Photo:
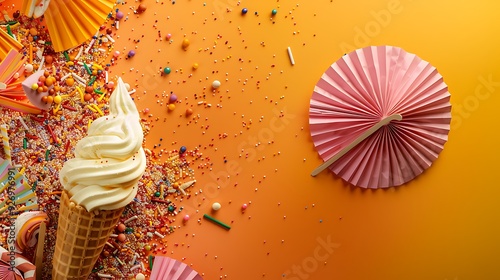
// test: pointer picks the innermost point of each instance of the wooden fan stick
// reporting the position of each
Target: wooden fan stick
(366, 134)
(39, 250)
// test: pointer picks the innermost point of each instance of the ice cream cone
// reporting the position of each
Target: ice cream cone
(81, 236)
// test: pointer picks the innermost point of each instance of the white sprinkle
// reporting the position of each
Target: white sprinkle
(65, 77)
(159, 235)
(135, 267)
(290, 55)
(78, 78)
(120, 261)
(113, 235)
(104, 276)
(132, 91)
(187, 184)
(106, 76)
(110, 38)
(130, 219)
(133, 260)
(90, 46)
(79, 53)
(117, 25)
(23, 123)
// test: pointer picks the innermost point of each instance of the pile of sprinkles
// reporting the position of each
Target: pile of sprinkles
(78, 83)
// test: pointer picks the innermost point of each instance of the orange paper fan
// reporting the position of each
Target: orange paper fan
(72, 22)
(7, 43)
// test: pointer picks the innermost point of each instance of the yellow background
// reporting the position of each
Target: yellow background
(442, 225)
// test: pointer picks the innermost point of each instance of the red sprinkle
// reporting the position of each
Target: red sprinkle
(69, 107)
(52, 133)
(158, 200)
(30, 136)
(36, 119)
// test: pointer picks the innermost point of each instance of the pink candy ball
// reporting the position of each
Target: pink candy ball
(119, 15)
(244, 206)
(186, 218)
(111, 85)
(172, 98)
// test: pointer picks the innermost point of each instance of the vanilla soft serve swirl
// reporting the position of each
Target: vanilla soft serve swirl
(110, 160)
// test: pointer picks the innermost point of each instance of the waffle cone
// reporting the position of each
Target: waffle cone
(81, 236)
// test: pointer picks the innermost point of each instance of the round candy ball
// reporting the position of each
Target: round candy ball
(140, 276)
(274, 12)
(172, 98)
(216, 84)
(182, 150)
(167, 70)
(186, 218)
(185, 43)
(141, 8)
(131, 53)
(244, 11)
(28, 68)
(49, 59)
(121, 237)
(121, 227)
(216, 206)
(119, 15)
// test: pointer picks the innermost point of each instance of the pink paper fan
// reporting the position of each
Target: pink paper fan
(34, 96)
(371, 85)
(7, 273)
(15, 269)
(165, 268)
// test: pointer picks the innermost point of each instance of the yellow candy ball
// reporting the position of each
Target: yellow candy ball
(34, 86)
(171, 107)
(57, 99)
(185, 43)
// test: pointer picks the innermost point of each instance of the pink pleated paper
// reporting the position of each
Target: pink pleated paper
(165, 268)
(362, 88)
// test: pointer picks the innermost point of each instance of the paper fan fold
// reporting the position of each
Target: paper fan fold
(165, 268)
(72, 22)
(361, 89)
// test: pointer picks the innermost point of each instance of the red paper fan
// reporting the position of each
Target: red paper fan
(379, 117)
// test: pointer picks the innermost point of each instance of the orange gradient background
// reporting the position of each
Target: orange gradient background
(445, 224)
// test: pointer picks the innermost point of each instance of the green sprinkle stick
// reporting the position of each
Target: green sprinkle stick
(217, 222)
